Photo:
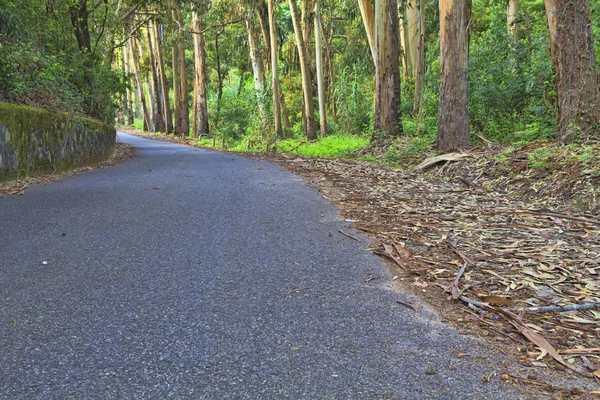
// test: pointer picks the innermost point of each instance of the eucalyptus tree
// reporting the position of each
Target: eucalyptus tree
(453, 114)
(302, 42)
(574, 63)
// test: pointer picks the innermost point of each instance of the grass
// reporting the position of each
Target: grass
(335, 146)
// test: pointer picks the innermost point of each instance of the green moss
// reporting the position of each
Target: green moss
(37, 141)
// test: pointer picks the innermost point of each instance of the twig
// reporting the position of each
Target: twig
(297, 290)
(570, 307)
(453, 287)
(558, 215)
(347, 234)
(415, 309)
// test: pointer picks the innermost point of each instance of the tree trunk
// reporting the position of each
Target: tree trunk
(162, 75)
(79, 20)
(420, 73)
(140, 84)
(128, 95)
(275, 72)
(258, 67)
(307, 9)
(220, 77)
(309, 113)
(409, 36)
(368, 18)
(263, 19)
(453, 115)
(200, 121)
(573, 59)
(387, 74)
(320, 77)
(158, 101)
(180, 83)
(512, 13)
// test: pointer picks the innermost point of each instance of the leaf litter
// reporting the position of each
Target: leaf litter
(510, 248)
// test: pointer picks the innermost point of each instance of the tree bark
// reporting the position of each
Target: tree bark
(307, 9)
(158, 110)
(368, 18)
(409, 37)
(140, 84)
(258, 67)
(574, 63)
(321, 88)
(79, 20)
(128, 95)
(263, 19)
(453, 115)
(162, 75)
(512, 13)
(200, 121)
(180, 83)
(309, 113)
(420, 72)
(387, 74)
(275, 72)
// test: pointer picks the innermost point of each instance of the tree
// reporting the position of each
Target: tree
(512, 15)
(180, 83)
(573, 60)
(387, 75)
(309, 114)
(420, 73)
(258, 67)
(275, 72)
(453, 114)
(320, 77)
(409, 36)
(200, 107)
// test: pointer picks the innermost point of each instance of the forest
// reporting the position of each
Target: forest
(404, 75)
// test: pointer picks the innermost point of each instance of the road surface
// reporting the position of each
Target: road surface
(186, 273)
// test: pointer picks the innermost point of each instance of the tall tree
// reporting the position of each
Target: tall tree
(573, 60)
(321, 88)
(200, 107)
(387, 73)
(453, 114)
(512, 15)
(277, 95)
(420, 73)
(133, 50)
(409, 36)
(309, 113)
(368, 18)
(157, 41)
(181, 107)
(158, 95)
(258, 67)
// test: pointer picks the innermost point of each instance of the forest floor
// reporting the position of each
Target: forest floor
(487, 238)
(122, 153)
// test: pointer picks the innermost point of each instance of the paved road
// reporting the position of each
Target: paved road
(193, 274)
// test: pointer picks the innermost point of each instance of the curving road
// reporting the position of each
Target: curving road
(185, 273)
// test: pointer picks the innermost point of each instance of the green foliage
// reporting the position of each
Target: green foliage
(42, 65)
(343, 146)
(510, 81)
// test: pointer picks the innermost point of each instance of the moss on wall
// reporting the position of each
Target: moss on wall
(34, 141)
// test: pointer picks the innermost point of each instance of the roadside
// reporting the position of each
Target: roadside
(123, 152)
(485, 247)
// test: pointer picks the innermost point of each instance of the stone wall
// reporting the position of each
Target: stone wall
(35, 141)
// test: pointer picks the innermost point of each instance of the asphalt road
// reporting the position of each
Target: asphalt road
(185, 273)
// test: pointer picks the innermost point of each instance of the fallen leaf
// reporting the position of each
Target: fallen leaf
(500, 300)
